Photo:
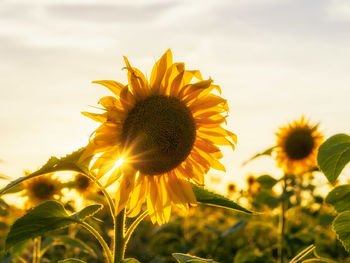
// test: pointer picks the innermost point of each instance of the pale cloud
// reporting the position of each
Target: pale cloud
(339, 10)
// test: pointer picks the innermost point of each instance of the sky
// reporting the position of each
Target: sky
(275, 60)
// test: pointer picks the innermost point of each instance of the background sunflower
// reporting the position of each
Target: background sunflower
(297, 145)
(40, 189)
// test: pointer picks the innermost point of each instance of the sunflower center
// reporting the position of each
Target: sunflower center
(82, 182)
(43, 190)
(160, 132)
(299, 144)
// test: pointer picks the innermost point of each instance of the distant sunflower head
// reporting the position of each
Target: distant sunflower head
(231, 188)
(297, 145)
(40, 189)
(82, 184)
(253, 185)
(166, 131)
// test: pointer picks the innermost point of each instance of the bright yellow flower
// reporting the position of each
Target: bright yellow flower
(297, 145)
(165, 131)
(40, 189)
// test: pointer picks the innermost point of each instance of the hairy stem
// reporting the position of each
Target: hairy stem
(119, 237)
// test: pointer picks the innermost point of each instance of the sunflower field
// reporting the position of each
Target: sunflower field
(137, 191)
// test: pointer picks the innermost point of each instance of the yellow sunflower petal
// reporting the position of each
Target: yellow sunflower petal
(112, 85)
(159, 70)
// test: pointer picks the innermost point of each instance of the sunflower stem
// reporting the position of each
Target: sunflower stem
(36, 252)
(119, 237)
(282, 221)
(100, 239)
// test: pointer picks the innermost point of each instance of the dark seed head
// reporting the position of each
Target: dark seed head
(43, 190)
(299, 144)
(160, 131)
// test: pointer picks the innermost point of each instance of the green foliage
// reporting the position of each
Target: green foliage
(303, 254)
(339, 197)
(48, 216)
(333, 155)
(267, 152)
(266, 181)
(71, 260)
(249, 254)
(130, 260)
(183, 258)
(209, 198)
(73, 242)
(341, 225)
(54, 164)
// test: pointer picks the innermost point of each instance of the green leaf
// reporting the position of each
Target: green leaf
(341, 226)
(339, 197)
(266, 198)
(302, 254)
(209, 198)
(88, 211)
(267, 152)
(71, 260)
(67, 163)
(130, 260)
(333, 155)
(236, 227)
(266, 181)
(183, 258)
(45, 217)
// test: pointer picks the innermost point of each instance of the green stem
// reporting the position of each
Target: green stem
(36, 254)
(133, 226)
(100, 239)
(119, 238)
(282, 221)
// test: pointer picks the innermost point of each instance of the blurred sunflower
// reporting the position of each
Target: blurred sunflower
(297, 145)
(165, 131)
(82, 184)
(231, 188)
(40, 189)
(253, 185)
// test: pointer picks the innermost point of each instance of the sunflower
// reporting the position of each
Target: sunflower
(83, 185)
(164, 131)
(297, 145)
(41, 189)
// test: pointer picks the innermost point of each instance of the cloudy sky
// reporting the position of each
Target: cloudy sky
(274, 59)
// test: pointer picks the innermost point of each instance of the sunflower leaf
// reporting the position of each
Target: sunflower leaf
(266, 181)
(54, 164)
(45, 217)
(302, 254)
(339, 197)
(183, 258)
(209, 198)
(267, 152)
(333, 155)
(341, 226)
